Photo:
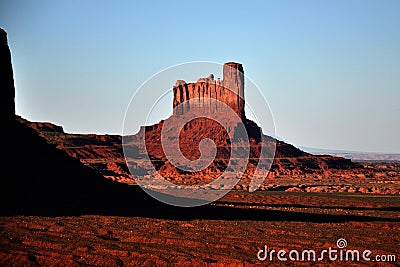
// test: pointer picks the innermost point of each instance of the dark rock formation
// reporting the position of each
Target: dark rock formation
(7, 91)
(46, 180)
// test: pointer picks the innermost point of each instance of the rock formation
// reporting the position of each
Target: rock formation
(7, 90)
(229, 91)
(54, 181)
(288, 159)
(39, 179)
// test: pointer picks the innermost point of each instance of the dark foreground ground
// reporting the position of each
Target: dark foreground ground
(227, 233)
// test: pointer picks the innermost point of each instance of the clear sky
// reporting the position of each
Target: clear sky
(330, 70)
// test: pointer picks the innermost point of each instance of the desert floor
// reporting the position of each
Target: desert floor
(230, 234)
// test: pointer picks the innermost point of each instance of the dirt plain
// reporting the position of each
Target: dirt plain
(230, 233)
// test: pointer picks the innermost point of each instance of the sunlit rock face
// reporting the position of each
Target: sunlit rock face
(229, 91)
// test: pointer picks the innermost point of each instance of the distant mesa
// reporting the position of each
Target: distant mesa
(206, 96)
(230, 90)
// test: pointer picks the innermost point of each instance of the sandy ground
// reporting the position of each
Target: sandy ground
(280, 220)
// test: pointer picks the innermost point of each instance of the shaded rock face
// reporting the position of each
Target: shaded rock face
(229, 91)
(47, 181)
(7, 90)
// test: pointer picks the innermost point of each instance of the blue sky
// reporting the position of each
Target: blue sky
(330, 70)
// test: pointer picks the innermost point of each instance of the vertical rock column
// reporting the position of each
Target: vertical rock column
(234, 81)
(7, 89)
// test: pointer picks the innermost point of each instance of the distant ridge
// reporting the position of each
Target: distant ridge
(354, 155)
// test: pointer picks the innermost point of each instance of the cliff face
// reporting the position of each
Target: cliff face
(39, 179)
(229, 91)
(7, 90)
